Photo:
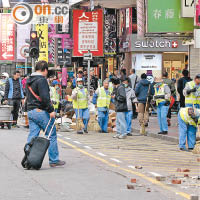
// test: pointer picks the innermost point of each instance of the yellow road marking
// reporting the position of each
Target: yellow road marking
(185, 195)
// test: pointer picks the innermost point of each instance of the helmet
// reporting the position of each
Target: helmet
(55, 83)
(5, 74)
(79, 79)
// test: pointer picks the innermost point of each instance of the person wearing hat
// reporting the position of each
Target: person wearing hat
(188, 120)
(192, 93)
(162, 98)
(102, 98)
(55, 94)
(80, 103)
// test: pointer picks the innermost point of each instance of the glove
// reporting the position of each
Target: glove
(159, 97)
(191, 90)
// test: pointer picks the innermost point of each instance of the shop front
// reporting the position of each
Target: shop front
(157, 55)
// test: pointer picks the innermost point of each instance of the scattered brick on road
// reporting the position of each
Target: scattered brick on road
(148, 190)
(130, 187)
(186, 175)
(176, 181)
(186, 170)
(133, 180)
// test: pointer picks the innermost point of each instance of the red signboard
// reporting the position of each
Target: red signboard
(7, 37)
(88, 32)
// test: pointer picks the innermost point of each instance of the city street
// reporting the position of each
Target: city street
(98, 168)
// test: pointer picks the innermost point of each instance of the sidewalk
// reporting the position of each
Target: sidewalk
(153, 129)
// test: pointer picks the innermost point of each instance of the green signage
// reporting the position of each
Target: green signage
(165, 16)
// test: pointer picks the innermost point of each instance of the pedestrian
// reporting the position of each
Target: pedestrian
(40, 110)
(172, 87)
(130, 96)
(123, 74)
(144, 91)
(162, 98)
(55, 94)
(80, 103)
(181, 85)
(93, 81)
(188, 120)
(14, 95)
(102, 98)
(120, 108)
(192, 93)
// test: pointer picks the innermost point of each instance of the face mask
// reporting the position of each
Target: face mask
(80, 86)
(57, 88)
(125, 85)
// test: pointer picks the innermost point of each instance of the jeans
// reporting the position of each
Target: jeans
(121, 123)
(128, 117)
(191, 105)
(16, 105)
(38, 119)
(103, 120)
(84, 115)
(186, 131)
(162, 112)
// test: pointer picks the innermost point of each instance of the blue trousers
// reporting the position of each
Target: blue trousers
(103, 120)
(162, 112)
(186, 131)
(128, 117)
(84, 115)
(37, 121)
(191, 105)
(121, 123)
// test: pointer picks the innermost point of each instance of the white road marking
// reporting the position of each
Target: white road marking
(101, 154)
(114, 159)
(87, 147)
(59, 135)
(77, 142)
(155, 174)
(67, 138)
(132, 167)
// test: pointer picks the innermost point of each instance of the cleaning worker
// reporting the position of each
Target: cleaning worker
(55, 94)
(80, 104)
(192, 93)
(162, 98)
(102, 98)
(188, 120)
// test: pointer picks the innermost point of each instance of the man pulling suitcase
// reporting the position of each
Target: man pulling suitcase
(40, 111)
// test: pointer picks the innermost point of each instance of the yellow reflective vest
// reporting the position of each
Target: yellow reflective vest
(186, 118)
(191, 98)
(81, 102)
(160, 91)
(103, 98)
(55, 97)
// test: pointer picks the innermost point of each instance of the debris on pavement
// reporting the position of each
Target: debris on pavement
(194, 197)
(130, 187)
(138, 167)
(160, 178)
(148, 190)
(176, 181)
(133, 180)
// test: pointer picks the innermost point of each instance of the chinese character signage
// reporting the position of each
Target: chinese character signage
(88, 32)
(187, 7)
(42, 33)
(51, 43)
(164, 16)
(7, 38)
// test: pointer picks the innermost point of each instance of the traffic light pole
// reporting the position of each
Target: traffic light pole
(33, 65)
(26, 65)
(89, 76)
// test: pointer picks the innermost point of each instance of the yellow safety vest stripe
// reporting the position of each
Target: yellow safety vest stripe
(103, 98)
(186, 118)
(161, 91)
(191, 98)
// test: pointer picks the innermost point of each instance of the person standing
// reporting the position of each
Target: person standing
(192, 93)
(144, 91)
(41, 111)
(130, 96)
(55, 94)
(102, 98)
(181, 85)
(80, 104)
(162, 98)
(120, 108)
(14, 94)
(188, 120)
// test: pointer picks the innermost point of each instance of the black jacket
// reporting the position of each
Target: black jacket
(181, 84)
(40, 86)
(120, 99)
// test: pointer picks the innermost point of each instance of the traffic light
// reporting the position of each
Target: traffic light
(34, 45)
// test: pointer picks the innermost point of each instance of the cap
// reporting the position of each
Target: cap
(5, 74)
(79, 79)
(55, 83)
(197, 76)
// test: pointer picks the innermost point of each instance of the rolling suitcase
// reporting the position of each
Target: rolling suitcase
(35, 150)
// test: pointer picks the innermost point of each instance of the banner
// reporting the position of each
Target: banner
(164, 16)
(7, 38)
(21, 44)
(51, 43)
(88, 32)
(42, 32)
(110, 65)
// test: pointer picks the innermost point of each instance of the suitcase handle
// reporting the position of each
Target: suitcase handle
(50, 129)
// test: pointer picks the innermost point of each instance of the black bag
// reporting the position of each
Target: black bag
(35, 151)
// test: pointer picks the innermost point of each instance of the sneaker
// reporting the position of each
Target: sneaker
(85, 131)
(129, 134)
(116, 136)
(80, 132)
(59, 163)
(165, 132)
(122, 136)
(182, 149)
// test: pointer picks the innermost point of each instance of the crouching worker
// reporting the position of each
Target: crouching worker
(102, 98)
(188, 120)
(80, 104)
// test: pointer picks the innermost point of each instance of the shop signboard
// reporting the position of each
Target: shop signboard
(42, 32)
(7, 38)
(25, 29)
(187, 8)
(51, 43)
(164, 17)
(197, 14)
(110, 64)
(88, 32)
(157, 45)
